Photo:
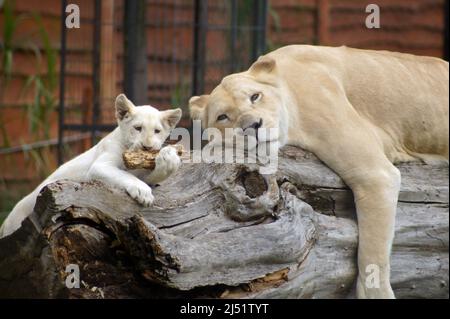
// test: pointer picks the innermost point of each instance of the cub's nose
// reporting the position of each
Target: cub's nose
(149, 148)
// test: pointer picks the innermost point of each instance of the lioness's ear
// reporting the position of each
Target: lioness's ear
(124, 107)
(171, 117)
(263, 64)
(197, 107)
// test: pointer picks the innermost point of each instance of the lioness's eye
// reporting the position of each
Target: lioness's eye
(254, 97)
(157, 131)
(222, 117)
(138, 128)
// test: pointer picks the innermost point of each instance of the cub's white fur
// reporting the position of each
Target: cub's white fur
(139, 128)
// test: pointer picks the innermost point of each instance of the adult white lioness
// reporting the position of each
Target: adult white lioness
(359, 111)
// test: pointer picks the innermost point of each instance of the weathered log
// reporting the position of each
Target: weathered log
(225, 231)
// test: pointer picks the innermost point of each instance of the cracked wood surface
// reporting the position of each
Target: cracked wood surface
(225, 231)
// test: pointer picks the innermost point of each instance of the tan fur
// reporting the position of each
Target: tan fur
(359, 111)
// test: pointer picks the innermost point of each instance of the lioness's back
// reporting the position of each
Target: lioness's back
(405, 95)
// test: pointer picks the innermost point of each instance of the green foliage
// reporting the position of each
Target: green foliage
(9, 196)
(245, 15)
(43, 85)
(180, 95)
(10, 22)
(8, 200)
(270, 46)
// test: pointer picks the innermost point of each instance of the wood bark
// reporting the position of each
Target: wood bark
(146, 159)
(225, 231)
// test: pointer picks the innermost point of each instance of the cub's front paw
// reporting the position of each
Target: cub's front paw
(142, 193)
(168, 160)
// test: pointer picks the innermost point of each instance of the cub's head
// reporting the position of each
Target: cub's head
(250, 99)
(144, 127)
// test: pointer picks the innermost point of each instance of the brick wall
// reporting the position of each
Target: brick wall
(414, 26)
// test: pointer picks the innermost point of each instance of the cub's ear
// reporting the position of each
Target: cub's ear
(263, 64)
(124, 107)
(197, 107)
(171, 117)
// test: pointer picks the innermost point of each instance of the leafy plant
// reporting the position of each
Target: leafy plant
(44, 101)
(245, 13)
(10, 22)
(270, 46)
(42, 84)
(180, 94)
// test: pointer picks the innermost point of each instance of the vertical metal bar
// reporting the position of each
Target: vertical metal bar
(233, 35)
(255, 23)
(135, 48)
(263, 27)
(174, 75)
(323, 22)
(96, 69)
(446, 21)
(153, 49)
(62, 71)
(195, 46)
(129, 43)
(166, 64)
(200, 29)
(259, 28)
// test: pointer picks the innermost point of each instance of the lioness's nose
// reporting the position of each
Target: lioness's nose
(255, 125)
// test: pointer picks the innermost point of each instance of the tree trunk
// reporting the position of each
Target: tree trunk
(225, 231)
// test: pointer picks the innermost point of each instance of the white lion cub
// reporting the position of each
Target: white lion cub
(142, 127)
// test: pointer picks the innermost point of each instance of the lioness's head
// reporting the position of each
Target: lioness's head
(144, 127)
(247, 100)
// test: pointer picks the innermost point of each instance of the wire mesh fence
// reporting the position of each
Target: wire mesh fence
(157, 52)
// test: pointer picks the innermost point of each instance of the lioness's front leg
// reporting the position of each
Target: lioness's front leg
(349, 144)
(375, 191)
(375, 183)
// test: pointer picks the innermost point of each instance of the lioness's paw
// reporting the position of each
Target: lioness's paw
(168, 159)
(141, 193)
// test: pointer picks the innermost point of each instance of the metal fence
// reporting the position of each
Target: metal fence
(157, 52)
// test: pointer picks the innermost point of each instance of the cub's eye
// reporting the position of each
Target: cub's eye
(222, 117)
(138, 128)
(254, 97)
(157, 131)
